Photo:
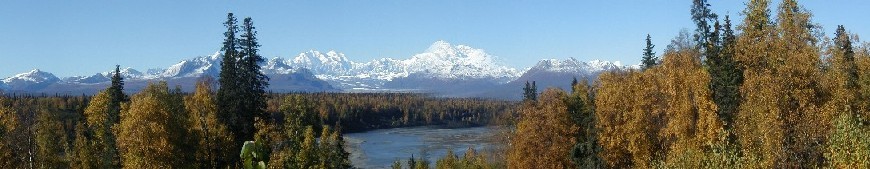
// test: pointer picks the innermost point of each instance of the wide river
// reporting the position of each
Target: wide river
(380, 148)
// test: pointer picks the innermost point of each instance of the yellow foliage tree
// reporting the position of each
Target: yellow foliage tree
(781, 90)
(663, 112)
(100, 124)
(544, 133)
(153, 130)
(9, 123)
(208, 133)
(690, 113)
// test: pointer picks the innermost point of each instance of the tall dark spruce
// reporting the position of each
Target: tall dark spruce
(117, 96)
(241, 97)
(702, 15)
(253, 84)
(253, 81)
(726, 76)
(229, 98)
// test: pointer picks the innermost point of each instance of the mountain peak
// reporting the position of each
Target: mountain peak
(442, 47)
(572, 65)
(34, 76)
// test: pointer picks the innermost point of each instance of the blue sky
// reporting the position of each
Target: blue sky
(71, 38)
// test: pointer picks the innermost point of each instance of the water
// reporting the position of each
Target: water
(380, 148)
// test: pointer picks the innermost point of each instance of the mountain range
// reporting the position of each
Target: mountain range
(442, 69)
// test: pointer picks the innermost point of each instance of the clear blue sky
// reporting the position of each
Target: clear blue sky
(84, 37)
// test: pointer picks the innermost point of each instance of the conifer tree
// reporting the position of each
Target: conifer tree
(117, 88)
(649, 57)
(254, 81)
(581, 108)
(229, 103)
(726, 76)
(530, 92)
(845, 57)
(701, 15)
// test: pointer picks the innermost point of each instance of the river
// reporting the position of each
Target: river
(380, 148)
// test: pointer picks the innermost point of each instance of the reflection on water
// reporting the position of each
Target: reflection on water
(380, 148)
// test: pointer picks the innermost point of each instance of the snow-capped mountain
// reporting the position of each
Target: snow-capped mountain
(30, 80)
(555, 73)
(442, 69)
(573, 66)
(127, 73)
(441, 61)
(184, 74)
(195, 67)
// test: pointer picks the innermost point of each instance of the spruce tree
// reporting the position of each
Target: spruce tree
(527, 90)
(844, 45)
(228, 101)
(726, 76)
(581, 109)
(649, 57)
(701, 14)
(252, 82)
(117, 88)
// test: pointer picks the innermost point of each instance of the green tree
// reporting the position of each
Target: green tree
(701, 15)
(848, 145)
(726, 76)
(581, 107)
(530, 92)
(253, 81)
(230, 103)
(649, 57)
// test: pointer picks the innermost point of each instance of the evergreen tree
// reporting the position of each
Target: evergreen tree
(726, 76)
(530, 92)
(573, 83)
(582, 112)
(117, 88)
(649, 57)
(252, 82)
(229, 101)
(843, 43)
(701, 15)
(241, 97)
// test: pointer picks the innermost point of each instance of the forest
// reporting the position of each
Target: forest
(771, 91)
